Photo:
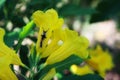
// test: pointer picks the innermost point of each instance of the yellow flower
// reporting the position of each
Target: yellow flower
(7, 57)
(102, 60)
(5, 71)
(58, 43)
(71, 44)
(81, 70)
(47, 21)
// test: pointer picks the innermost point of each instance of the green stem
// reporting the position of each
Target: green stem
(22, 75)
(18, 45)
(31, 72)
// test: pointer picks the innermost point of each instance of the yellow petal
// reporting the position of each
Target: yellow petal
(73, 44)
(16, 60)
(81, 70)
(38, 44)
(2, 33)
(4, 50)
(100, 60)
(47, 21)
(53, 16)
(57, 36)
(7, 57)
(40, 19)
(5, 72)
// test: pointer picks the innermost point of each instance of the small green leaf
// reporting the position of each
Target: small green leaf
(26, 30)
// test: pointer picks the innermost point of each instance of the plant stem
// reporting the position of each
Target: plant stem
(18, 45)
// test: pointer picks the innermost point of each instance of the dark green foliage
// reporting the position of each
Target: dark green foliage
(107, 9)
(74, 10)
(10, 37)
(85, 77)
(24, 57)
(11, 11)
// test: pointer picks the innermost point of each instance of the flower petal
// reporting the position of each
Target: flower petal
(73, 44)
(81, 70)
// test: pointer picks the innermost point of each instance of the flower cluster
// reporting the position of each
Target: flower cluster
(54, 43)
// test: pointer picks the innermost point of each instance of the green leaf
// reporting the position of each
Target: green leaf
(2, 3)
(11, 37)
(26, 30)
(73, 10)
(32, 56)
(85, 77)
(60, 66)
(106, 9)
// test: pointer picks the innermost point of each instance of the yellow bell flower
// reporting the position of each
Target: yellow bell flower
(72, 44)
(7, 57)
(100, 60)
(81, 70)
(63, 42)
(47, 21)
